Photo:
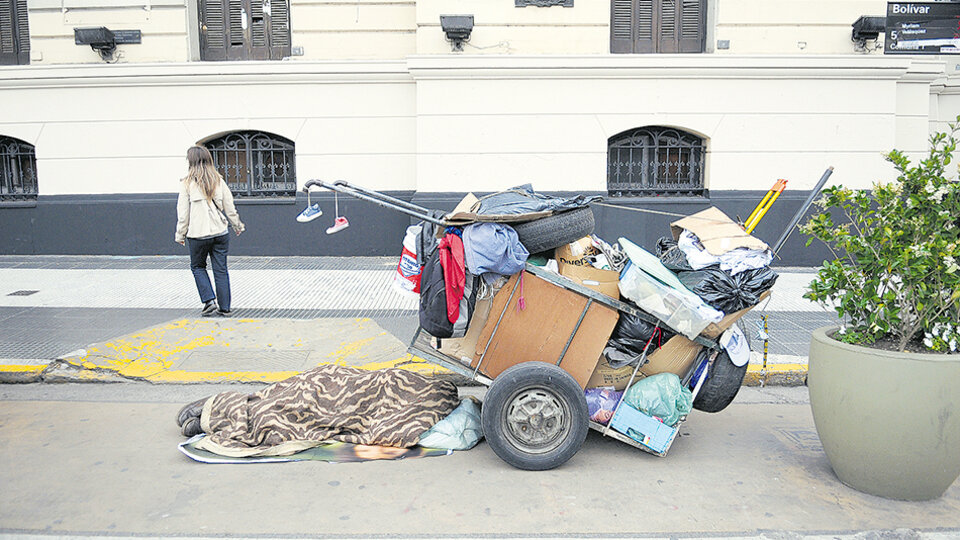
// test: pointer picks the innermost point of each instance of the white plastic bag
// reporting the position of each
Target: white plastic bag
(460, 430)
(684, 312)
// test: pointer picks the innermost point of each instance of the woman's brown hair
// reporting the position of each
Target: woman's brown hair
(201, 170)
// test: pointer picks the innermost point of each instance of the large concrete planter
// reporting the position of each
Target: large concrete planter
(889, 422)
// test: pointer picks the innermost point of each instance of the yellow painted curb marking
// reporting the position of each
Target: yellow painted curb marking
(16, 368)
(777, 368)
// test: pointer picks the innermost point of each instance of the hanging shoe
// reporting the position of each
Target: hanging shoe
(190, 410)
(339, 224)
(310, 213)
(209, 308)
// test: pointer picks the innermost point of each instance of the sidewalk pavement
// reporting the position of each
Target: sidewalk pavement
(113, 319)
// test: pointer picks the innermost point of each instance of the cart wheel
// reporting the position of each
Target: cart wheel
(534, 416)
(554, 231)
(723, 382)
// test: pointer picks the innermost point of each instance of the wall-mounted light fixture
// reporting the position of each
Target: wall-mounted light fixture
(457, 29)
(868, 28)
(99, 39)
(103, 40)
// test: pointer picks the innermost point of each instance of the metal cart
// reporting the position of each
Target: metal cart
(535, 414)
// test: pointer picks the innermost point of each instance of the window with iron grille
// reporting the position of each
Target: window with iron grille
(244, 29)
(657, 26)
(655, 161)
(18, 170)
(255, 163)
(14, 33)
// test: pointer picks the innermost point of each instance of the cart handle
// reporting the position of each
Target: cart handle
(386, 201)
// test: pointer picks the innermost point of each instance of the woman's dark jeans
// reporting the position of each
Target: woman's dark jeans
(216, 249)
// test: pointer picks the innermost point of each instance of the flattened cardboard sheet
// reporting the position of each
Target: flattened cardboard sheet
(541, 330)
(675, 356)
(465, 214)
(717, 232)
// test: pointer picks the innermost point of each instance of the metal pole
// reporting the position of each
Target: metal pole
(803, 210)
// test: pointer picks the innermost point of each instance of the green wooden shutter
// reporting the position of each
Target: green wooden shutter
(667, 41)
(259, 48)
(14, 33)
(213, 30)
(621, 26)
(692, 36)
(644, 23)
(279, 19)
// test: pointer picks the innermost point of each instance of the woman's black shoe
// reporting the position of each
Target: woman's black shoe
(209, 308)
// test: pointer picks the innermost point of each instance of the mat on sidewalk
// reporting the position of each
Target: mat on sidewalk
(334, 452)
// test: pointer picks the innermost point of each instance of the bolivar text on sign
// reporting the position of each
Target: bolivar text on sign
(922, 28)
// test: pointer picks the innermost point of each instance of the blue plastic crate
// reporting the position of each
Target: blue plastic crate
(643, 428)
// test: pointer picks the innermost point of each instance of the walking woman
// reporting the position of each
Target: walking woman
(203, 201)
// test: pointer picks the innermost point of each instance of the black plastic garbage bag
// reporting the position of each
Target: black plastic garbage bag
(629, 338)
(726, 292)
(675, 260)
(665, 243)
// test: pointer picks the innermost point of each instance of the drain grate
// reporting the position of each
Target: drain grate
(22, 293)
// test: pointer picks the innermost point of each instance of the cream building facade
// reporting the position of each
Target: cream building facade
(372, 92)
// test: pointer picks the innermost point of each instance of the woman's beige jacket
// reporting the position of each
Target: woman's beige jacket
(199, 217)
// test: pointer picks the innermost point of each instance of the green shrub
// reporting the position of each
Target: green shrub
(896, 251)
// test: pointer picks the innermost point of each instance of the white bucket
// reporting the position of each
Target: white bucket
(406, 280)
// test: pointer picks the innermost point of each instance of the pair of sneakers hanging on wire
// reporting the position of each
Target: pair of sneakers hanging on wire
(312, 212)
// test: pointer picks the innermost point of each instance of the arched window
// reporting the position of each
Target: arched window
(255, 163)
(18, 170)
(655, 161)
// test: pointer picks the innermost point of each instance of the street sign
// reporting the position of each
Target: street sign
(922, 28)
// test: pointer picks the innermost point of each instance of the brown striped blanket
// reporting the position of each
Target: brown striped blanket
(388, 407)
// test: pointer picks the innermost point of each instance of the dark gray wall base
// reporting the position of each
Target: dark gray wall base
(144, 224)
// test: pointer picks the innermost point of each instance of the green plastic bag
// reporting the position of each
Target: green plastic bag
(661, 395)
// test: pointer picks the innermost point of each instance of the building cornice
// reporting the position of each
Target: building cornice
(203, 73)
(705, 66)
(669, 66)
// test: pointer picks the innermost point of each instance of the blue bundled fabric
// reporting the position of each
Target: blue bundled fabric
(493, 247)
(460, 430)
(524, 200)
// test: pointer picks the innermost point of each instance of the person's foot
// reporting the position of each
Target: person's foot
(209, 308)
(223, 313)
(190, 410)
(191, 427)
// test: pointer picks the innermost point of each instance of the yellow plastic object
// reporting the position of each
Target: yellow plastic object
(764, 205)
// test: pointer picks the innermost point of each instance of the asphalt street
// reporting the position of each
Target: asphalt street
(84, 461)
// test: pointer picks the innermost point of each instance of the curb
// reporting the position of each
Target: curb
(776, 375)
(21, 373)
(63, 371)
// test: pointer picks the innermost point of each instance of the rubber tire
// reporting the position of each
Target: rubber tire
(554, 231)
(512, 382)
(723, 382)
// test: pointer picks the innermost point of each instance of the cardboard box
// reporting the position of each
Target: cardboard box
(603, 281)
(576, 252)
(644, 429)
(572, 263)
(540, 331)
(717, 232)
(604, 375)
(675, 356)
